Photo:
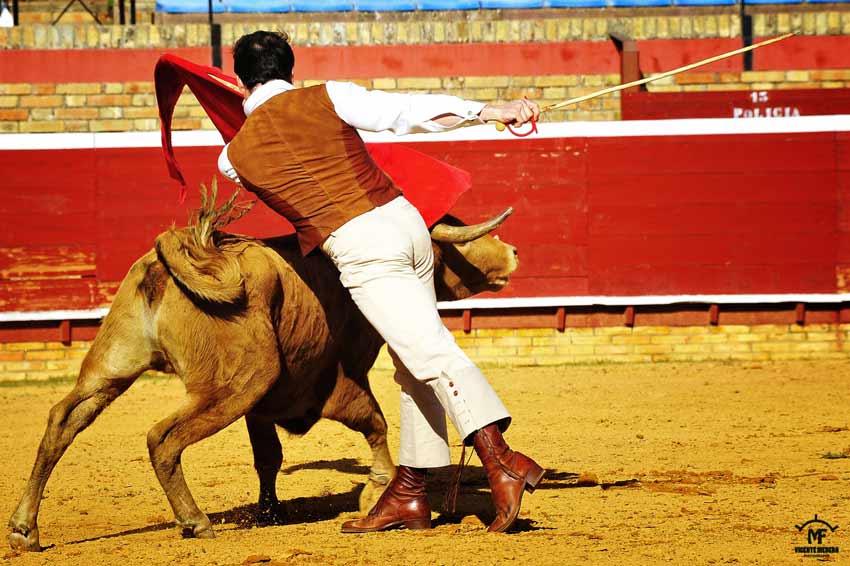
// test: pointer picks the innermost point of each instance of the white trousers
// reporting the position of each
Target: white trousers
(386, 262)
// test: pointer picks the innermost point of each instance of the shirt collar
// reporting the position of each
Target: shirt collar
(263, 93)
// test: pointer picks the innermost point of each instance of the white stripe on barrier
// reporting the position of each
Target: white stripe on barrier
(628, 128)
(521, 302)
(37, 316)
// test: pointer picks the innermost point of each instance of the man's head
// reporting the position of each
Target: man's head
(263, 56)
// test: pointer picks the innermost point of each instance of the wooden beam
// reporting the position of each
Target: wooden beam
(629, 316)
(714, 315)
(561, 319)
(65, 332)
(800, 314)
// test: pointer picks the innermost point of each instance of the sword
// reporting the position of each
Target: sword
(500, 126)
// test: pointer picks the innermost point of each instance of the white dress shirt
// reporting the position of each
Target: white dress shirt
(372, 110)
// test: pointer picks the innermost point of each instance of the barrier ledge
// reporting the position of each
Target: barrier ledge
(627, 128)
(521, 303)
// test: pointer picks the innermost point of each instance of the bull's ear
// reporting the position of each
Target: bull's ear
(459, 234)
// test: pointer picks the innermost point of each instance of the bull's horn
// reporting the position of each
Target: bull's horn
(459, 234)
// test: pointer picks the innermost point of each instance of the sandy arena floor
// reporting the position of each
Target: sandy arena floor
(728, 458)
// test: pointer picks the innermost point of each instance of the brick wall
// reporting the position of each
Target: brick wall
(543, 346)
(131, 106)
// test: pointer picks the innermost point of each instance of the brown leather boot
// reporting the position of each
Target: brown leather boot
(404, 503)
(508, 472)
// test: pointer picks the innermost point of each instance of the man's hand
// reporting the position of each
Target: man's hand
(515, 113)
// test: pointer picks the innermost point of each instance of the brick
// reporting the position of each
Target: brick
(37, 101)
(44, 89)
(9, 101)
(110, 125)
(12, 356)
(514, 341)
(142, 112)
(384, 84)
(40, 114)
(75, 100)
(109, 100)
(16, 88)
(107, 112)
(139, 88)
(609, 349)
(419, 83)
(113, 88)
(24, 365)
(76, 113)
(45, 127)
(78, 88)
(9, 127)
(576, 348)
(186, 124)
(76, 125)
(644, 339)
(486, 82)
(797, 76)
(45, 355)
(64, 365)
(150, 100)
(530, 331)
(15, 114)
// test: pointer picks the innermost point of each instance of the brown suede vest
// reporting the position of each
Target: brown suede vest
(302, 160)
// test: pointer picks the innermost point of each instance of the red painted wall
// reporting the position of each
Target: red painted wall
(594, 216)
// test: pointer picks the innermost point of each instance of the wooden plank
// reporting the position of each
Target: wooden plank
(659, 280)
(47, 263)
(741, 218)
(675, 155)
(753, 186)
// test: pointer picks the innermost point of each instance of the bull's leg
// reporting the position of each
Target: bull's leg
(206, 412)
(107, 371)
(353, 404)
(268, 457)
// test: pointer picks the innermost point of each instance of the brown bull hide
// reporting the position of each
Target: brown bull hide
(285, 345)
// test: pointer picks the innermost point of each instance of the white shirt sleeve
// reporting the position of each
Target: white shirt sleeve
(376, 110)
(226, 167)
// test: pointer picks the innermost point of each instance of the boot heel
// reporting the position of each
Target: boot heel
(533, 477)
(418, 524)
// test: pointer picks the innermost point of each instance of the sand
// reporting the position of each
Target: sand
(698, 463)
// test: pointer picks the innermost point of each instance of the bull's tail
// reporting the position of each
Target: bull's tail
(205, 271)
(195, 257)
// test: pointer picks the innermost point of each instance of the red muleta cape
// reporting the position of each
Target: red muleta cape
(431, 185)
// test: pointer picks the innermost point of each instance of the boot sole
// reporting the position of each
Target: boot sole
(411, 524)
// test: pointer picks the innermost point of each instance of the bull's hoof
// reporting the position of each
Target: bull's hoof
(372, 491)
(24, 540)
(197, 530)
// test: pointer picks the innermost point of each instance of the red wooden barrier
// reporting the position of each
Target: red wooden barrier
(735, 104)
(693, 214)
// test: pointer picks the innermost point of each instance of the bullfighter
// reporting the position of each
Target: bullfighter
(300, 152)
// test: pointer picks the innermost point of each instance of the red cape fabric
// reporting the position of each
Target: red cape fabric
(431, 185)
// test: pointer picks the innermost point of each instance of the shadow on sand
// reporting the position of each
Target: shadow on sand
(473, 499)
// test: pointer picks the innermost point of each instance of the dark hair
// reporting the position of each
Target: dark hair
(263, 56)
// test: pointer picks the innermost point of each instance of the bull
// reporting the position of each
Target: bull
(254, 330)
